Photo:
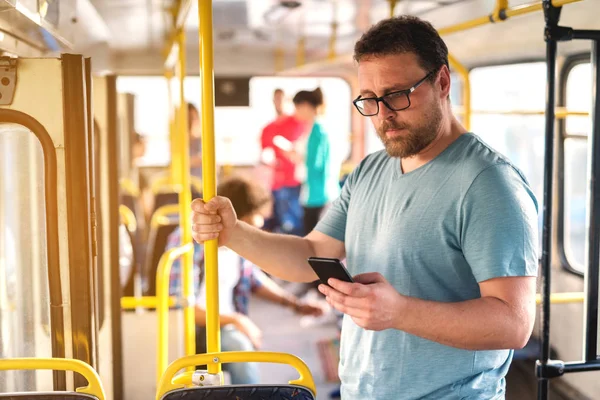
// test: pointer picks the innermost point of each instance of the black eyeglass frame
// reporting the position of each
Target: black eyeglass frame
(406, 92)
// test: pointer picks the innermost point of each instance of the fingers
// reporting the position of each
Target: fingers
(210, 207)
(369, 277)
(204, 237)
(207, 228)
(344, 308)
(198, 218)
(350, 289)
(217, 203)
(340, 299)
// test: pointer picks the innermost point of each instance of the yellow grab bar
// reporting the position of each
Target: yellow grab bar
(559, 113)
(129, 187)
(213, 339)
(563, 298)
(162, 303)
(128, 218)
(161, 215)
(129, 302)
(185, 199)
(495, 17)
(94, 387)
(165, 184)
(464, 74)
(169, 381)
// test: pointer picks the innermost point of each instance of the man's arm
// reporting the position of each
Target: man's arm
(283, 256)
(501, 319)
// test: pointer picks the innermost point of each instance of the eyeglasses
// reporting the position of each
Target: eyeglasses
(395, 101)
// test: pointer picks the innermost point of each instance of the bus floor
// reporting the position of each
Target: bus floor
(283, 332)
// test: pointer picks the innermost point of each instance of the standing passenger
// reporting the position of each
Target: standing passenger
(321, 184)
(439, 230)
(278, 138)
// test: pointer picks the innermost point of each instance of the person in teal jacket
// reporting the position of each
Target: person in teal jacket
(321, 180)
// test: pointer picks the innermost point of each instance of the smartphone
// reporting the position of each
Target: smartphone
(326, 268)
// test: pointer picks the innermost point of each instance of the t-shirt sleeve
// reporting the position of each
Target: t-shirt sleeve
(499, 235)
(333, 223)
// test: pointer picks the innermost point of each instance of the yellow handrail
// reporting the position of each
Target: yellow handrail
(563, 298)
(213, 338)
(170, 381)
(494, 17)
(94, 387)
(128, 218)
(130, 302)
(560, 112)
(464, 74)
(463, 26)
(161, 215)
(165, 184)
(185, 198)
(162, 303)
(129, 187)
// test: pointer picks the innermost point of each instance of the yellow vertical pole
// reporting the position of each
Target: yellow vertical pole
(185, 199)
(334, 27)
(213, 333)
(279, 59)
(173, 115)
(464, 74)
(301, 52)
(392, 7)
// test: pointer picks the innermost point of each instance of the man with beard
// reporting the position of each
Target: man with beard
(440, 230)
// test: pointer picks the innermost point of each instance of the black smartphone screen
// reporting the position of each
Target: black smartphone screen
(326, 268)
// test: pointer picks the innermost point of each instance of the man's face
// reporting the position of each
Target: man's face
(407, 132)
(278, 102)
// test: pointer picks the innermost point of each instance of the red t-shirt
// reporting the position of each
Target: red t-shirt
(284, 169)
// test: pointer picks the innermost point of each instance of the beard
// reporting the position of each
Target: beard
(414, 139)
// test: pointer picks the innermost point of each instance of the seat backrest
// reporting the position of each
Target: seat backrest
(47, 396)
(157, 243)
(242, 392)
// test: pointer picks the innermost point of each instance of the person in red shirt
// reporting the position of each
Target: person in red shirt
(277, 142)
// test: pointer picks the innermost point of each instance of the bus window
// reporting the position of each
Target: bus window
(24, 293)
(508, 88)
(151, 117)
(578, 98)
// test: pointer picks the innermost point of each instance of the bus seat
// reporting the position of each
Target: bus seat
(164, 198)
(164, 221)
(93, 391)
(242, 392)
(47, 396)
(186, 385)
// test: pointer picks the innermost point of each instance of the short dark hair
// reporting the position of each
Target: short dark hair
(246, 196)
(404, 34)
(314, 98)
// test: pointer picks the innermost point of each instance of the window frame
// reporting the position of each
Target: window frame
(570, 63)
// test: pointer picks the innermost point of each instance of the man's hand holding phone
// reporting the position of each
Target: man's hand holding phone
(369, 299)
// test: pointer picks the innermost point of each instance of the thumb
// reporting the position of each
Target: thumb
(217, 203)
(369, 277)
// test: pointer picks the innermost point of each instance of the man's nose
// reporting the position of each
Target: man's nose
(385, 113)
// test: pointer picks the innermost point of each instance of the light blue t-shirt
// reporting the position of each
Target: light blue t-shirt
(433, 233)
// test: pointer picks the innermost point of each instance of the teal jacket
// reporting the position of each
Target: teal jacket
(322, 175)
